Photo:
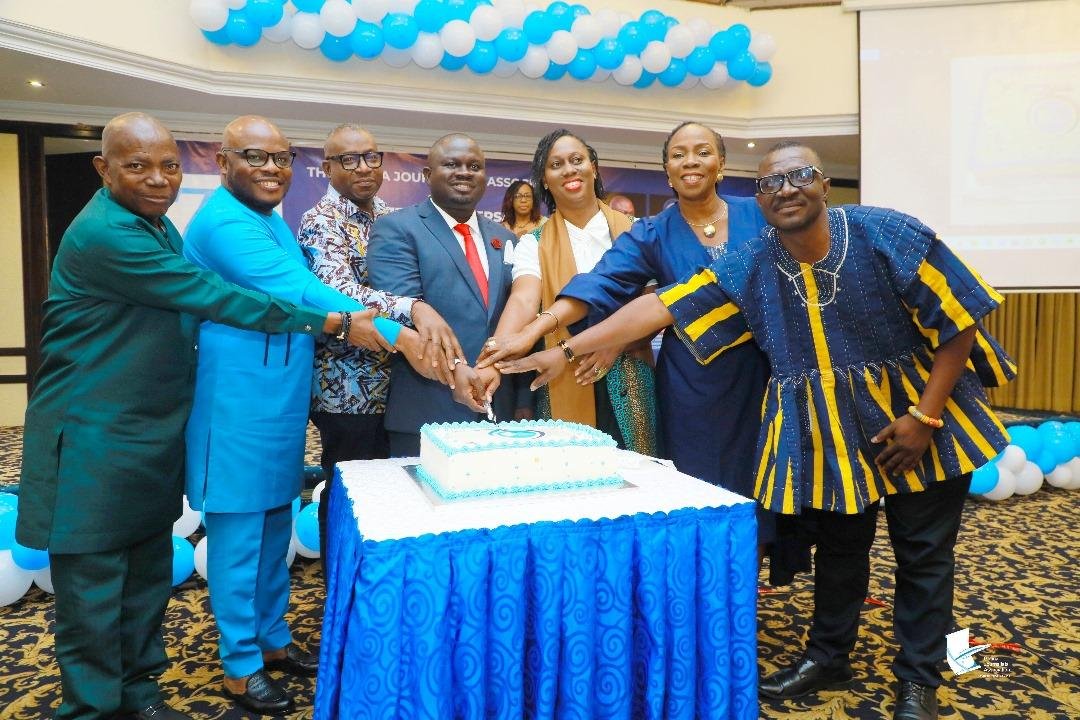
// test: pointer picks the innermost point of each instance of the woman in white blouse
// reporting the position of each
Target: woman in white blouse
(581, 228)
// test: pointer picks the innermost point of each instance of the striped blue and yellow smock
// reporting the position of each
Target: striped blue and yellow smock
(851, 341)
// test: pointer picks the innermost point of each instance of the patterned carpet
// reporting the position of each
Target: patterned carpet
(1017, 583)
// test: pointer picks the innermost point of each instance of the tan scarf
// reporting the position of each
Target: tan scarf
(569, 401)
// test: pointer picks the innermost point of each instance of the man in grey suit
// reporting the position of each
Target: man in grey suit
(444, 253)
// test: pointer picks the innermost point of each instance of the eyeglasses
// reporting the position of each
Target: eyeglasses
(523, 196)
(351, 161)
(799, 177)
(257, 158)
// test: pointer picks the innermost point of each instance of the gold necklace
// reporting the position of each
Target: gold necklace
(709, 228)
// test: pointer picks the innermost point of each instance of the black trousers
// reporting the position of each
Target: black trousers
(922, 529)
(345, 437)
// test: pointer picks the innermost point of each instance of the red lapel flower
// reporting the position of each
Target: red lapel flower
(496, 243)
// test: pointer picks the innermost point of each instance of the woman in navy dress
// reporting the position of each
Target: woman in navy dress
(709, 414)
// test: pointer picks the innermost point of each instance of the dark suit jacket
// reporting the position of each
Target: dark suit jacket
(413, 252)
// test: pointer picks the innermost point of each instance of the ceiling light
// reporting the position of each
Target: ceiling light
(751, 144)
(35, 83)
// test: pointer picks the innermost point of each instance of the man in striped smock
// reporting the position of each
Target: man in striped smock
(871, 326)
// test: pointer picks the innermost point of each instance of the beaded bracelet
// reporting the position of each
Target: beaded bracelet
(346, 324)
(924, 418)
(553, 317)
(570, 356)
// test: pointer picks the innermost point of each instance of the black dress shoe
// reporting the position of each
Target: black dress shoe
(295, 662)
(263, 696)
(804, 677)
(158, 711)
(916, 702)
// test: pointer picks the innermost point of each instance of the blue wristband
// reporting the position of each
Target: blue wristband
(388, 329)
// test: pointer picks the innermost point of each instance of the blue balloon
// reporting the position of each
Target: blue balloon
(336, 48)
(430, 15)
(633, 38)
(311, 6)
(723, 46)
(560, 16)
(1046, 460)
(483, 57)
(645, 80)
(654, 24)
(1050, 426)
(984, 479)
(367, 40)
(307, 526)
(453, 64)
(577, 11)
(700, 61)
(1073, 428)
(671, 22)
(11, 500)
(554, 71)
(740, 35)
(265, 12)
(674, 74)
(1058, 443)
(609, 53)
(29, 558)
(538, 27)
(7, 529)
(459, 9)
(583, 65)
(742, 66)
(511, 44)
(295, 507)
(400, 30)
(1027, 439)
(218, 37)
(242, 30)
(761, 75)
(183, 560)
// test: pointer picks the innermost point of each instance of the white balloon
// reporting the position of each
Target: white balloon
(200, 558)
(655, 57)
(14, 581)
(283, 30)
(702, 30)
(562, 47)
(600, 74)
(1005, 487)
(680, 41)
(404, 6)
(504, 68)
(1074, 466)
(609, 21)
(235, 4)
(209, 15)
(716, 78)
(486, 22)
(762, 46)
(395, 57)
(625, 17)
(1061, 476)
(372, 11)
(427, 52)
(587, 31)
(317, 491)
(188, 522)
(689, 81)
(307, 30)
(1028, 480)
(513, 13)
(458, 38)
(1013, 458)
(338, 17)
(535, 62)
(43, 579)
(629, 71)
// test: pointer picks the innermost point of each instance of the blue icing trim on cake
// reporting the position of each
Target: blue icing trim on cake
(587, 436)
(613, 480)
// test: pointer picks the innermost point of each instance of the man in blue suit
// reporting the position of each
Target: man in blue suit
(456, 261)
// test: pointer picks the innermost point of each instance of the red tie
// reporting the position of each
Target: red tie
(473, 258)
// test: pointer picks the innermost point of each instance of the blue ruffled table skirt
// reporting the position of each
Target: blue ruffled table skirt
(643, 615)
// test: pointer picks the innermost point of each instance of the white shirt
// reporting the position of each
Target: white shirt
(588, 245)
(477, 236)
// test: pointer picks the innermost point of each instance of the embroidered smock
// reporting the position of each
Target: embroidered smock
(851, 340)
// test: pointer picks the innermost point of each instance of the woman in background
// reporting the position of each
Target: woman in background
(520, 211)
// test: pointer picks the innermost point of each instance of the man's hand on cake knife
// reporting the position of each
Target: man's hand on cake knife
(469, 388)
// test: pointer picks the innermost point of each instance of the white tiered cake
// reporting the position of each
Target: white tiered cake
(459, 460)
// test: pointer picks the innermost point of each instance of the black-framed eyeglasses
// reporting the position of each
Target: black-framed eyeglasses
(257, 158)
(350, 161)
(799, 177)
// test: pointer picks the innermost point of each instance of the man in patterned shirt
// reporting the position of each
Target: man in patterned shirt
(349, 384)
